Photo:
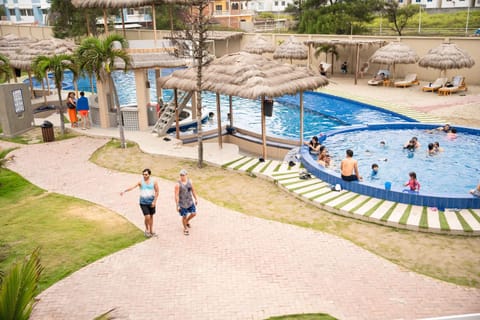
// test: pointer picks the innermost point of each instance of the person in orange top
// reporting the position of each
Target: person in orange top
(72, 109)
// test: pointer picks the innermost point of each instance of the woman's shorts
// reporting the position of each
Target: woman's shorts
(83, 113)
(186, 211)
(147, 209)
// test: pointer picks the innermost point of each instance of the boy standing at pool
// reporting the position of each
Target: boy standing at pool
(349, 168)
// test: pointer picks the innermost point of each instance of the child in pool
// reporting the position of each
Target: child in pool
(374, 173)
(413, 183)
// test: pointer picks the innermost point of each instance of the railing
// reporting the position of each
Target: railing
(441, 32)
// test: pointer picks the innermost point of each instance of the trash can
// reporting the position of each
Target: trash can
(47, 131)
(152, 114)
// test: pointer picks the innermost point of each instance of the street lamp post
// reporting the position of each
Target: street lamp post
(420, 19)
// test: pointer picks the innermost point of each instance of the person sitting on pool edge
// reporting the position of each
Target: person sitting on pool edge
(349, 168)
(313, 145)
(476, 192)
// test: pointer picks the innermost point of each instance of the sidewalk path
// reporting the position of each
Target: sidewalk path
(231, 266)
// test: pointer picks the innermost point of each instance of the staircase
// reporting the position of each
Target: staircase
(168, 115)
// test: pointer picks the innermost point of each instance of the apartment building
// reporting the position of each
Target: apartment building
(26, 11)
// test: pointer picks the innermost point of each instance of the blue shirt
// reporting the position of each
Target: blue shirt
(82, 104)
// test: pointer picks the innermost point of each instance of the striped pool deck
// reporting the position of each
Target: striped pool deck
(350, 204)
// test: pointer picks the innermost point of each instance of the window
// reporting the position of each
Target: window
(218, 7)
(235, 6)
(276, 3)
(283, 3)
(12, 12)
(417, 1)
(26, 12)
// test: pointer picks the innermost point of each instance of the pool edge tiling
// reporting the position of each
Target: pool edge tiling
(440, 201)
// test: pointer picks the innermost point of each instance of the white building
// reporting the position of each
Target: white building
(268, 5)
(26, 11)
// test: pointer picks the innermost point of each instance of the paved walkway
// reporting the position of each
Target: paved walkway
(232, 266)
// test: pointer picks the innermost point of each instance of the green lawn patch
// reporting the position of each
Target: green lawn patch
(304, 316)
(71, 233)
(443, 221)
(466, 227)
(232, 162)
(266, 166)
(388, 213)
(375, 207)
(474, 215)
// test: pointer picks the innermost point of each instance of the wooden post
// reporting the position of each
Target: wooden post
(356, 62)
(219, 121)
(301, 118)
(231, 110)
(177, 125)
(264, 131)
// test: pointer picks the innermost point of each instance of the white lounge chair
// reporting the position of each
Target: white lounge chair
(410, 80)
(381, 76)
(434, 86)
(458, 84)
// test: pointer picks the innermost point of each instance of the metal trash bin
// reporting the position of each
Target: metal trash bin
(48, 134)
(152, 115)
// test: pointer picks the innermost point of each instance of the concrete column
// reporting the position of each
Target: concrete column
(103, 105)
(143, 97)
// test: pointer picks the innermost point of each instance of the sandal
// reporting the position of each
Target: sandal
(185, 232)
(188, 225)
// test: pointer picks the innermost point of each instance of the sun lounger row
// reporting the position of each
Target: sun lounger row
(457, 84)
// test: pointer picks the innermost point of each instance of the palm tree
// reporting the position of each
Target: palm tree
(19, 287)
(327, 48)
(57, 64)
(5, 69)
(98, 56)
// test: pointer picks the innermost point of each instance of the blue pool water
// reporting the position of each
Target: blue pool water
(453, 171)
(322, 112)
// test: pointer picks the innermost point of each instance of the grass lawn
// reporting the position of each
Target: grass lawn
(71, 233)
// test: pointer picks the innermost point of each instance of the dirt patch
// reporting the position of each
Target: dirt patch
(450, 258)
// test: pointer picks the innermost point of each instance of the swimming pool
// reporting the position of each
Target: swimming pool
(322, 112)
(445, 178)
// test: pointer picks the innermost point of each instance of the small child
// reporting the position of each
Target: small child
(476, 192)
(452, 134)
(431, 149)
(374, 170)
(413, 182)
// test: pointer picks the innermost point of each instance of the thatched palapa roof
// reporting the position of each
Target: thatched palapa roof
(25, 55)
(446, 56)
(259, 45)
(247, 75)
(291, 49)
(394, 53)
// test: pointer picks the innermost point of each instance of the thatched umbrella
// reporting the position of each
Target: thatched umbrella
(446, 56)
(259, 45)
(394, 53)
(291, 49)
(25, 55)
(10, 44)
(249, 76)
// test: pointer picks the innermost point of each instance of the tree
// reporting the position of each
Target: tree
(98, 56)
(69, 21)
(196, 24)
(18, 288)
(5, 69)
(57, 64)
(399, 16)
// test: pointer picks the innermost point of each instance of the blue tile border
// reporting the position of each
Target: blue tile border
(440, 201)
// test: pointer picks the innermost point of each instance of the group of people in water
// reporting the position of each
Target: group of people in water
(349, 166)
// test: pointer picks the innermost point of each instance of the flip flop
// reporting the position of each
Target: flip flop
(185, 232)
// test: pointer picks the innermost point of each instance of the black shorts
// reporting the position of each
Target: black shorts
(147, 209)
(350, 178)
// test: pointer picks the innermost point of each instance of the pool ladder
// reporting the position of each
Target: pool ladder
(168, 115)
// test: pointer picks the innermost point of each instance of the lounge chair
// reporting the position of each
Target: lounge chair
(434, 86)
(458, 84)
(381, 76)
(410, 80)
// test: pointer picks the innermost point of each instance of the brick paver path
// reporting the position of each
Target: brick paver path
(231, 266)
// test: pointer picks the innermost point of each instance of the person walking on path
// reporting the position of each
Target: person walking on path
(148, 199)
(72, 109)
(184, 195)
(83, 108)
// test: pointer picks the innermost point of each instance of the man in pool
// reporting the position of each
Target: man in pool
(349, 168)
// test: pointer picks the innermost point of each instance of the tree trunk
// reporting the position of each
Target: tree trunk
(123, 145)
(60, 111)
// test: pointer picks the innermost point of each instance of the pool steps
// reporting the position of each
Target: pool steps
(350, 204)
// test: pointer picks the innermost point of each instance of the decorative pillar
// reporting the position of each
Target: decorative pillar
(103, 105)
(143, 97)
